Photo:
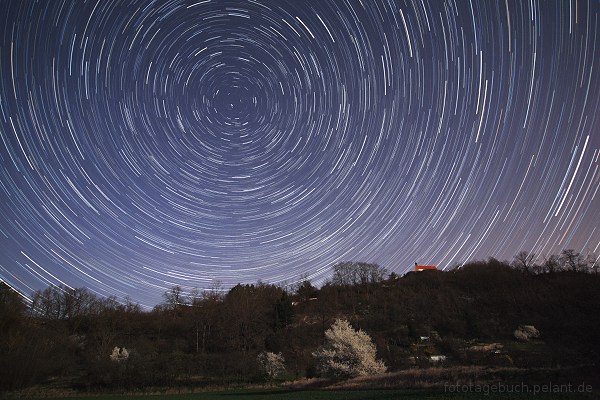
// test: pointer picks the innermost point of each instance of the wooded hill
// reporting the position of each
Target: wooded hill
(466, 316)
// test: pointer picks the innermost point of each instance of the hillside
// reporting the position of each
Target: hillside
(466, 317)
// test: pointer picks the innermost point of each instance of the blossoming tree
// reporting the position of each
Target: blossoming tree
(272, 364)
(347, 352)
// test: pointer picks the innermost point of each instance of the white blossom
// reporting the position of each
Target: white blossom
(119, 354)
(272, 364)
(348, 352)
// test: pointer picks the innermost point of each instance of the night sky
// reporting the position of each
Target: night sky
(147, 144)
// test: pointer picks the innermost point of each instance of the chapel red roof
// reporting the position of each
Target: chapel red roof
(425, 267)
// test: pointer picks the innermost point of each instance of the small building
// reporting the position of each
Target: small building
(420, 268)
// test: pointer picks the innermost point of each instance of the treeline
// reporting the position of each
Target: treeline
(213, 337)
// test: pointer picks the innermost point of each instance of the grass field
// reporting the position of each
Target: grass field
(284, 394)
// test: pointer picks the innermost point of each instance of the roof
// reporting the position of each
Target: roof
(425, 267)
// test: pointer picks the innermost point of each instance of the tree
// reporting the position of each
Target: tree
(271, 364)
(524, 261)
(551, 264)
(47, 304)
(572, 261)
(284, 311)
(347, 352)
(15, 367)
(348, 273)
(119, 354)
(174, 298)
(305, 290)
(248, 316)
(64, 303)
(593, 263)
(12, 308)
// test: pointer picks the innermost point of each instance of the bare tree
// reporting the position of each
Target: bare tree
(551, 264)
(571, 260)
(215, 292)
(64, 303)
(174, 298)
(347, 273)
(524, 261)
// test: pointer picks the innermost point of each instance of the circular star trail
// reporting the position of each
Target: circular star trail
(147, 144)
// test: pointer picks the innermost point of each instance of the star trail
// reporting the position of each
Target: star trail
(147, 144)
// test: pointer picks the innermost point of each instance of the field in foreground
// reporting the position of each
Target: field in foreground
(285, 394)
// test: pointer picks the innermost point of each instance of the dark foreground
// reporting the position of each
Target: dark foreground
(474, 392)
